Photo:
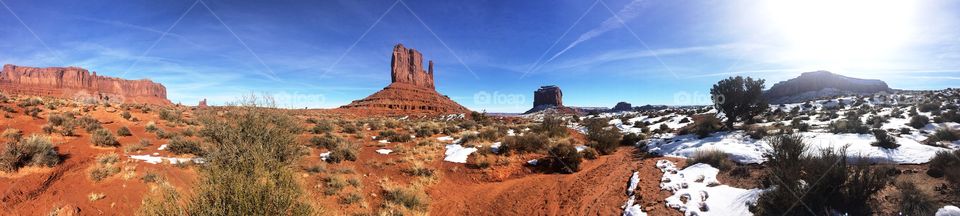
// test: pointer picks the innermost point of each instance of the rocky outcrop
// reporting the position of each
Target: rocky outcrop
(411, 91)
(546, 97)
(75, 82)
(818, 84)
(407, 67)
(622, 106)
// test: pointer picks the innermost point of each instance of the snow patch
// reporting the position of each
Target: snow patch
(697, 185)
(948, 211)
(172, 160)
(384, 151)
(325, 156)
(457, 153)
(445, 138)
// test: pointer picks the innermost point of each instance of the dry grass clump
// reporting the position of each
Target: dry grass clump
(562, 158)
(914, 201)
(179, 145)
(526, 143)
(602, 137)
(715, 157)
(136, 147)
(36, 150)
(106, 166)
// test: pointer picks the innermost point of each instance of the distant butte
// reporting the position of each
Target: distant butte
(76, 83)
(411, 91)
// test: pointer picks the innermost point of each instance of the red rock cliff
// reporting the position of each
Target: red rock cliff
(74, 82)
(407, 67)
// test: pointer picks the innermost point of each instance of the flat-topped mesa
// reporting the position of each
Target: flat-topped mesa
(75, 82)
(407, 67)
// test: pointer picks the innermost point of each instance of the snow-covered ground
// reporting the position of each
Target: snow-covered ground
(743, 149)
(630, 208)
(696, 191)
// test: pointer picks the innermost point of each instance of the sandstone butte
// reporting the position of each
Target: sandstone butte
(79, 83)
(411, 91)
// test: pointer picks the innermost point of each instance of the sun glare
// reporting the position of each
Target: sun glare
(839, 32)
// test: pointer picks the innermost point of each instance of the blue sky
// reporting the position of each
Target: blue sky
(327, 53)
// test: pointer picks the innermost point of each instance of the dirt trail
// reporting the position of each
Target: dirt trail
(599, 188)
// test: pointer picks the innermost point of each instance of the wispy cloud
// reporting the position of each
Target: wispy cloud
(630, 11)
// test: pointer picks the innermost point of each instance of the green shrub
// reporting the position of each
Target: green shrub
(553, 126)
(36, 150)
(249, 168)
(125, 115)
(327, 141)
(945, 163)
(602, 138)
(179, 146)
(151, 127)
(56, 120)
(48, 129)
(837, 187)
(103, 138)
(914, 201)
(714, 157)
(124, 131)
(526, 143)
(884, 140)
(321, 127)
(918, 121)
(562, 158)
(704, 125)
(943, 134)
(590, 153)
(631, 139)
(347, 152)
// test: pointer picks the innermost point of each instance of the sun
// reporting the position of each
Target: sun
(845, 32)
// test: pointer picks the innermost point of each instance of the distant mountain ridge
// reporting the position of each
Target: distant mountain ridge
(817, 84)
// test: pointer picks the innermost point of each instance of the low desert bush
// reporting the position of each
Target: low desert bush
(553, 126)
(322, 126)
(604, 139)
(327, 141)
(526, 143)
(943, 134)
(631, 139)
(798, 124)
(914, 201)
(838, 186)
(715, 157)
(704, 125)
(884, 140)
(48, 129)
(848, 125)
(103, 138)
(36, 150)
(918, 121)
(151, 127)
(346, 152)
(179, 145)
(590, 153)
(124, 131)
(562, 158)
(125, 115)
(945, 164)
(249, 168)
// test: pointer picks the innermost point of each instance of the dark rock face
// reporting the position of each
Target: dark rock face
(546, 97)
(622, 106)
(410, 92)
(407, 67)
(811, 85)
(75, 82)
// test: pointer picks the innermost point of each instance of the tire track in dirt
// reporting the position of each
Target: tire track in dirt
(599, 188)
